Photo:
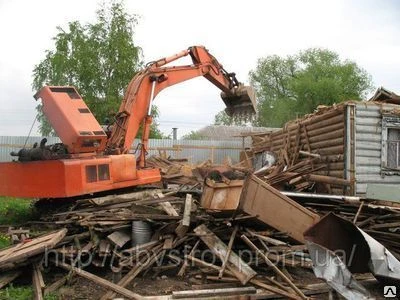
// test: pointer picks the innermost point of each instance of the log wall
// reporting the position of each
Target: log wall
(321, 133)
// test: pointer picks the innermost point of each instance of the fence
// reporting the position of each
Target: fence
(194, 150)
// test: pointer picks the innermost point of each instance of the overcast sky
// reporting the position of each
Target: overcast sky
(237, 33)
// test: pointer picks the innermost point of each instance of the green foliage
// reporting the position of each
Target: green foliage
(99, 59)
(155, 132)
(16, 293)
(4, 241)
(222, 118)
(292, 86)
(21, 293)
(193, 135)
(16, 210)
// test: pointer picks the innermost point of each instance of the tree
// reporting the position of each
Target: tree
(222, 118)
(193, 135)
(99, 59)
(292, 86)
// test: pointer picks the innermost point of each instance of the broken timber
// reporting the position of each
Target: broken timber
(234, 264)
(18, 254)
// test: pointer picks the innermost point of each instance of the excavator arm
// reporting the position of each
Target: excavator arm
(135, 108)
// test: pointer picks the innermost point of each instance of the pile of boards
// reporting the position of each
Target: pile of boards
(118, 240)
(173, 171)
(219, 253)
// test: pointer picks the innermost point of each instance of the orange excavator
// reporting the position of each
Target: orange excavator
(89, 160)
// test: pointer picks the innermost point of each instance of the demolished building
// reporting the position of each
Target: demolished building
(357, 142)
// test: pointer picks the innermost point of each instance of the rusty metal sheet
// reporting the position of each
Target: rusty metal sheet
(275, 209)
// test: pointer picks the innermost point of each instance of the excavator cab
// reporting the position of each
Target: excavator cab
(241, 103)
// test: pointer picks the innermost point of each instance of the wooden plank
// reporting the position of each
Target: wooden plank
(114, 199)
(204, 264)
(168, 242)
(183, 226)
(274, 289)
(187, 210)
(131, 275)
(37, 282)
(119, 238)
(256, 282)
(23, 251)
(235, 264)
(358, 212)
(322, 178)
(385, 225)
(8, 277)
(55, 285)
(267, 239)
(242, 291)
(100, 281)
(167, 206)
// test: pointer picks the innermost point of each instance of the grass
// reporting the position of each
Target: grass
(4, 241)
(21, 293)
(16, 211)
(16, 293)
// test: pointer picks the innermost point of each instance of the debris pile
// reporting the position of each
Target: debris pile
(173, 171)
(218, 231)
(164, 232)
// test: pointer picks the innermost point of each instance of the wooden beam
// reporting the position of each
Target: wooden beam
(274, 289)
(100, 281)
(37, 282)
(55, 285)
(187, 210)
(167, 206)
(242, 291)
(7, 277)
(131, 275)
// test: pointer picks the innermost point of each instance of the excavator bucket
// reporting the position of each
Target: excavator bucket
(241, 103)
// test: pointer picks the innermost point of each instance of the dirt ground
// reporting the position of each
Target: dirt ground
(79, 288)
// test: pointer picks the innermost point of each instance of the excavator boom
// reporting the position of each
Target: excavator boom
(144, 87)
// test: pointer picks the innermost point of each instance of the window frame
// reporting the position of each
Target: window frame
(389, 122)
